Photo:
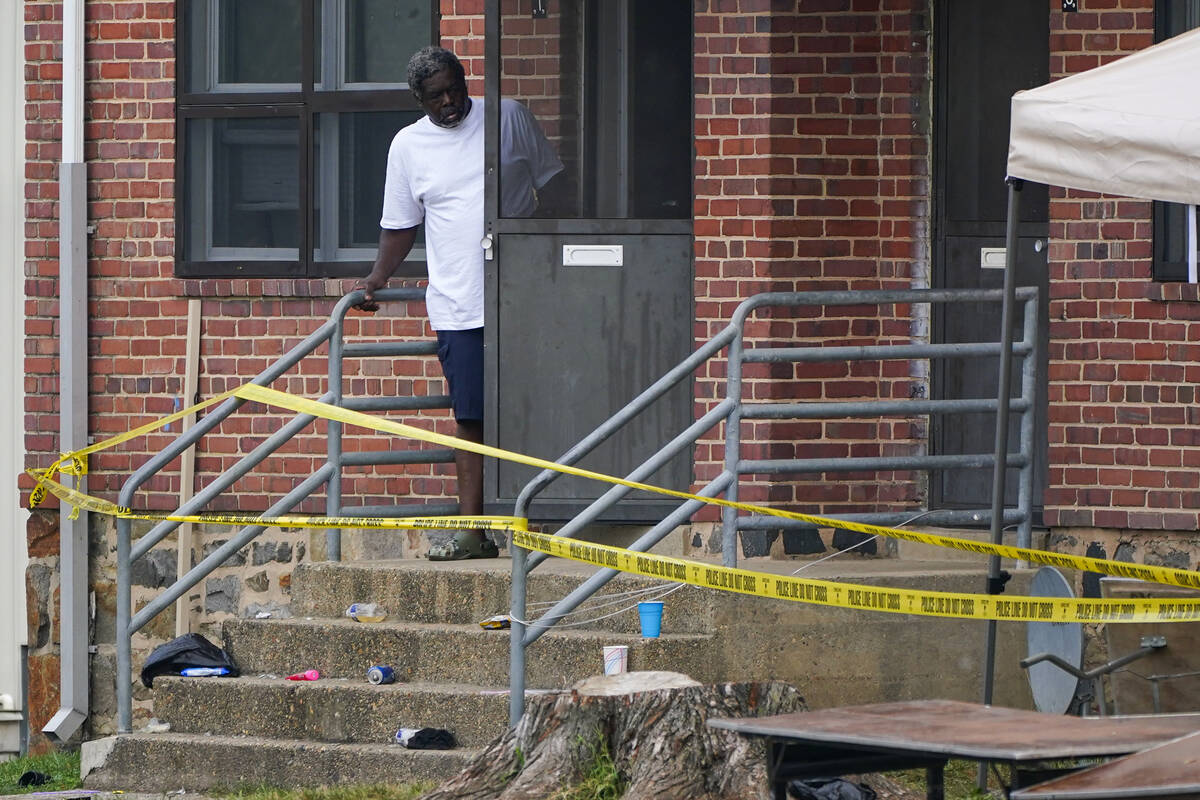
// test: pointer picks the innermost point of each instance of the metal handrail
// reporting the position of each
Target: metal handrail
(327, 476)
(729, 411)
(733, 410)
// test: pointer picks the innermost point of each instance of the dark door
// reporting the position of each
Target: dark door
(985, 52)
(589, 298)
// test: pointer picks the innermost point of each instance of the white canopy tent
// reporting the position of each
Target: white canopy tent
(1130, 128)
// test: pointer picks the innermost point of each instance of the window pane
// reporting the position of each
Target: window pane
(1181, 15)
(542, 68)
(1170, 219)
(260, 41)
(620, 124)
(243, 188)
(239, 45)
(350, 160)
(381, 35)
(1171, 242)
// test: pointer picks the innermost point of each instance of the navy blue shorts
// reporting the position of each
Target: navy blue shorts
(461, 354)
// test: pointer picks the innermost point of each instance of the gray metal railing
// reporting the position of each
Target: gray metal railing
(733, 410)
(327, 476)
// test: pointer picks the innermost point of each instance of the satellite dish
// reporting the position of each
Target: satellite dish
(1053, 687)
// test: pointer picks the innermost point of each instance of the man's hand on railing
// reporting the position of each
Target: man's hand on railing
(369, 285)
(394, 246)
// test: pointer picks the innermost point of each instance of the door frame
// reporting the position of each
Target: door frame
(941, 230)
(496, 226)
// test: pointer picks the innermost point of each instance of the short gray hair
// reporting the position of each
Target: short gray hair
(429, 61)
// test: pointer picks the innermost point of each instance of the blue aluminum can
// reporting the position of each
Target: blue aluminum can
(381, 674)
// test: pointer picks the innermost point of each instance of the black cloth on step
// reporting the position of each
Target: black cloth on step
(425, 738)
(189, 650)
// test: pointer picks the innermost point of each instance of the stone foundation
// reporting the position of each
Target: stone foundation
(253, 582)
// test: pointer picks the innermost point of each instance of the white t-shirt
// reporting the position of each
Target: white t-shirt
(435, 175)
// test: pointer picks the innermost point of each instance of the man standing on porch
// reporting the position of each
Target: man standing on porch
(435, 175)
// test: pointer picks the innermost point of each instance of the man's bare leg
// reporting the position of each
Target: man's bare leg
(469, 468)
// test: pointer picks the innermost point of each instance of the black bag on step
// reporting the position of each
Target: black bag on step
(189, 650)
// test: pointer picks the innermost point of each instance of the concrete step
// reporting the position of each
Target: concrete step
(337, 729)
(329, 710)
(422, 591)
(467, 654)
(167, 762)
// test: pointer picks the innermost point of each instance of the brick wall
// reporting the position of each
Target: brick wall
(1123, 438)
(811, 123)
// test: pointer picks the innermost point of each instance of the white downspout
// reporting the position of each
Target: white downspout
(73, 368)
(12, 403)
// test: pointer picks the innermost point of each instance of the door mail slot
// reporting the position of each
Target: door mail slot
(991, 257)
(593, 255)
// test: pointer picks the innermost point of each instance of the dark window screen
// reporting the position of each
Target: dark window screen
(1172, 17)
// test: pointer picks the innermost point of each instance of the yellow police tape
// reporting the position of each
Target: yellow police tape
(865, 598)
(904, 601)
(99, 505)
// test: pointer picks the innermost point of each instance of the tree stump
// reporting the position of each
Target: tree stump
(650, 725)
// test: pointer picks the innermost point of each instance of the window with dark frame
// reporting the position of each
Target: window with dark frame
(1171, 220)
(285, 112)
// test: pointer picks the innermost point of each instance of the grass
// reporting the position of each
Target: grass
(959, 779)
(63, 769)
(380, 791)
(600, 780)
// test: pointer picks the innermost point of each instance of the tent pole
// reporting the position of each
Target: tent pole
(1192, 244)
(997, 577)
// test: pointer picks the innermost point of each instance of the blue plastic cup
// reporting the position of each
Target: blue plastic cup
(651, 615)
